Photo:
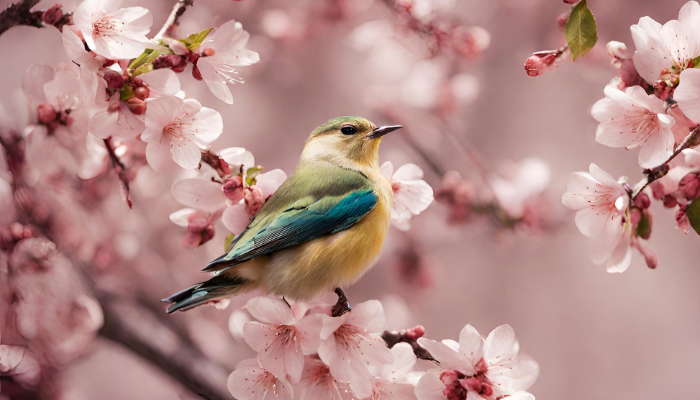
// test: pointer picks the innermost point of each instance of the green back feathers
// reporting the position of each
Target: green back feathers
(317, 200)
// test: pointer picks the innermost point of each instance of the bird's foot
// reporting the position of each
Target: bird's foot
(342, 306)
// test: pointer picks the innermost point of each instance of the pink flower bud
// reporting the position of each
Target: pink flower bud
(253, 200)
(690, 185)
(47, 113)
(562, 18)
(194, 57)
(142, 92)
(657, 190)
(416, 332)
(571, 1)
(114, 79)
(53, 15)
(669, 201)
(196, 74)
(233, 188)
(540, 63)
(208, 52)
(635, 216)
(136, 105)
(649, 256)
(642, 201)
(175, 62)
(197, 225)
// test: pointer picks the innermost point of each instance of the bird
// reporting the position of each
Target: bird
(319, 232)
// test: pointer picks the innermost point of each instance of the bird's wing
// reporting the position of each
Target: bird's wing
(332, 202)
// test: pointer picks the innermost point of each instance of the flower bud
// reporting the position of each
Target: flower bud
(642, 201)
(253, 200)
(669, 201)
(682, 219)
(233, 188)
(53, 15)
(571, 1)
(657, 190)
(197, 225)
(196, 74)
(114, 79)
(142, 92)
(617, 50)
(175, 62)
(47, 113)
(562, 18)
(208, 52)
(416, 332)
(635, 216)
(136, 105)
(540, 63)
(690, 185)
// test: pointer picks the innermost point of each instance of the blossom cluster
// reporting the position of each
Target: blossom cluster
(307, 352)
(651, 106)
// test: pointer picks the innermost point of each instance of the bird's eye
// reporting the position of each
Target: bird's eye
(348, 130)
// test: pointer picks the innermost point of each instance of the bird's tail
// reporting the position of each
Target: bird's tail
(219, 287)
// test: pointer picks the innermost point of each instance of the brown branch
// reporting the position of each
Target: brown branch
(652, 174)
(216, 162)
(409, 336)
(120, 169)
(135, 328)
(20, 13)
(173, 20)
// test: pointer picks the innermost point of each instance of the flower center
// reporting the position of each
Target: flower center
(106, 24)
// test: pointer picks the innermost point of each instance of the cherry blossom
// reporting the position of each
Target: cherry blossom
(113, 32)
(349, 345)
(280, 338)
(117, 118)
(396, 381)
(252, 382)
(179, 129)
(412, 195)
(317, 382)
(235, 201)
(223, 50)
(600, 203)
(198, 223)
(635, 119)
(673, 45)
(477, 368)
(522, 182)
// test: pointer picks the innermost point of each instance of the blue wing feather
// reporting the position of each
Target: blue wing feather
(295, 226)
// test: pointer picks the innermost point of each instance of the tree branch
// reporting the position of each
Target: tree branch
(652, 174)
(120, 169)
(173, 19)
(20, 13)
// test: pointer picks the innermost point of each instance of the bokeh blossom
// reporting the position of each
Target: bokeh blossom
(412, 195)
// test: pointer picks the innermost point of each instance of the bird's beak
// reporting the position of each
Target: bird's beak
(383, 130)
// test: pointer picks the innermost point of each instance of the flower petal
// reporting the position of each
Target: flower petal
(199, 193)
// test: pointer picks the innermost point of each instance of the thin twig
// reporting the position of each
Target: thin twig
(173, 19)
(652, 174)
(120, 169)
(20, 13)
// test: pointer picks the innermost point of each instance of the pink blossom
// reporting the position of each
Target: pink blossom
(116, 119)
(317, 382)
(396, 381)
(673, 45)
(480, 367)
(18, 363)
(281, 339)
(600, 203)
(412, 195)
(349, 345)
(632, 119)
(113, 32)
(688, 94)
(542, 62)
(522, 183)
(179, 129)
(252, 382)
(199, 225)
(225, 49)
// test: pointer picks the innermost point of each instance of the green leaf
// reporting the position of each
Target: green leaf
(126, 93)
(195, 40)
(228, 241)
(644, 226)
(696, 62)
(145, 57)
(693, 213)
(581, 31)
(251, 174)
(145, 68)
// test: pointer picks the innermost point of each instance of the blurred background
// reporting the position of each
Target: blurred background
(595, 335)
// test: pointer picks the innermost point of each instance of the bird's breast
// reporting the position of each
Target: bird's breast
(318, 266)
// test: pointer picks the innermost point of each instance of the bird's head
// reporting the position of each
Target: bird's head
(350, 142)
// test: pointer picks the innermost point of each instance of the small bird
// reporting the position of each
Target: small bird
(320, 231)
